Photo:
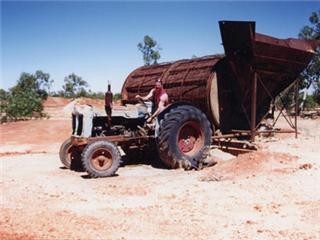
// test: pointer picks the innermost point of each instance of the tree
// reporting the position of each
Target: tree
(25, 98)
(4, 96)
(310, 102)
(24, 104)
(311, 75)
(43, 80)
(38, 82)
(150, 50)
(117, 96)
(75, 86)
(316, 93)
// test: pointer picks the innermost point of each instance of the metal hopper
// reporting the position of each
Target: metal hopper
(261, 67)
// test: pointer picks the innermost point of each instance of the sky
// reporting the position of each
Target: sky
(98, 40)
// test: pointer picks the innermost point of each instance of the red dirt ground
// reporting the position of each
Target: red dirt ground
(269, 194)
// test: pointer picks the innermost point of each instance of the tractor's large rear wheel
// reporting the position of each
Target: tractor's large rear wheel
(184, 137)
(101, 159)
(70, 156)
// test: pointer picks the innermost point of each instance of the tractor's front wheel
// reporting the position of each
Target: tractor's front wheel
(101, 159)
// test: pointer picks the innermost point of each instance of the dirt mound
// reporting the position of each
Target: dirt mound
(56, 102)
(250, 165)
(61, 102)
(98, 103)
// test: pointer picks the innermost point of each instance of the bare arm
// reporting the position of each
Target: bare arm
(147, 97)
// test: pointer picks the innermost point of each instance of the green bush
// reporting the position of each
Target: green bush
(310, 102)
(3, 101)
(24, 104)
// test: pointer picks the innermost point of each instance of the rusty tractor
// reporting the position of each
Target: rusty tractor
(211, 97)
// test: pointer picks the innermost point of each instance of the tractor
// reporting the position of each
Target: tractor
(210, 97)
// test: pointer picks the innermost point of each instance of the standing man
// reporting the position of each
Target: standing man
(159, 99)
(108, 103)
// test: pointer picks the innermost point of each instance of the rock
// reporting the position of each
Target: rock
(220, 155)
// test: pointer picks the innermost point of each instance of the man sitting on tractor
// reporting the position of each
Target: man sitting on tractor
(160, 101)
(159, 98)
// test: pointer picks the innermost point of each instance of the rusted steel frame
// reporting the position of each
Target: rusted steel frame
(228, 145)
(283, 107)
(283, 71)
(276, 131)
(151, 69)
(183, 80)
(147, 73)
(191, 66)
(115, 139)
(270, 95)
(119, 138)
(141, 82)
(240, 131)
(234, 72)
(265, 131)
(253, 106)
(172, 70)
(274, 59)
(189, 83)
(296, 93)
(175, 84)
(288, 119)
(79, 141)
(189, 90)
(246, 114)
(295, 44)
(272, 73)
(130, 89)
(274, 123)
(124, 92)
(231, 135)
(236, 151)
(265, 88)
(166, 73)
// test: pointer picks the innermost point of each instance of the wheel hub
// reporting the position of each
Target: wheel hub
(101, 160)
(190, 138)
(187, 144)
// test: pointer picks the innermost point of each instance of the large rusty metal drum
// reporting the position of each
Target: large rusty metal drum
(193, 81)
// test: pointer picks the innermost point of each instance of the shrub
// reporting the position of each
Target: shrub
(24, 104)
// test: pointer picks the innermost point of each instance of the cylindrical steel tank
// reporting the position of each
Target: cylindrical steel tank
(192, 80)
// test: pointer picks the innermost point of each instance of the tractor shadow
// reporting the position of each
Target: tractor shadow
(145, 156)
(133, 157)
(75, 164)
(87, 176)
